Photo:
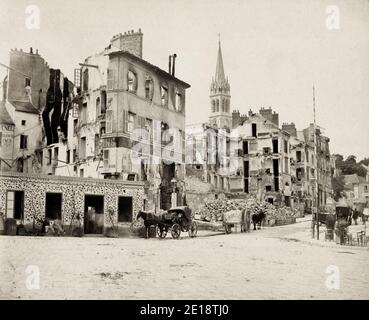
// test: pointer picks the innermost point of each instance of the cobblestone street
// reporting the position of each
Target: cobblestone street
(268, 264)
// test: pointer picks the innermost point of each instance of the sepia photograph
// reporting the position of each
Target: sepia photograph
(184, 150)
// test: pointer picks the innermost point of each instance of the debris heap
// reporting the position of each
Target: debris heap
(213, 210)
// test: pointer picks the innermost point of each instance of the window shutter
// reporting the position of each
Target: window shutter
(108, 121)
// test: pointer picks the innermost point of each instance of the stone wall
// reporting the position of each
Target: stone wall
(73, 193)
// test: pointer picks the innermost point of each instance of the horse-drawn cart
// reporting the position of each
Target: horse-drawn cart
(176, 220)
(236, 217)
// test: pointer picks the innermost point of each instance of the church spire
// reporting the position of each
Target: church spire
(219, 72)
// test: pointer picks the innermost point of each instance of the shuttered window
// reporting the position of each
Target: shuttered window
(108, 121)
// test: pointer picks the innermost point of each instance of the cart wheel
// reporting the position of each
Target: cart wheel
(192, 231)
(162, 232)
(176, 231)
(228, 228)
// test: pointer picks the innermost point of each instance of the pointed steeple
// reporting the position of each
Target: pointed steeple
(219, 72)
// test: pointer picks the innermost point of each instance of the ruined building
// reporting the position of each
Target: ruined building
(127, 123)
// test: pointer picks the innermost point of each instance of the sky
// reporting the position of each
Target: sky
(273, 52)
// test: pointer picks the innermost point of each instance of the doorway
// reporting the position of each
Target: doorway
(94, 214)
(53, 207)
(124, 209)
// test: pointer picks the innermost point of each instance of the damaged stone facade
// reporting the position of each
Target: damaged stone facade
(126, 123)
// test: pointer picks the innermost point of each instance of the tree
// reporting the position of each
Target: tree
(338, 185)
(365, 161)
(350, 166)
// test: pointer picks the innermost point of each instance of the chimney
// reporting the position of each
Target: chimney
(170, 65)
(129, 41)
(290, 128)
(31, 50)
(174, 64)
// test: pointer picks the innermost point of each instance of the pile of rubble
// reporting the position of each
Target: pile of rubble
(213, 210)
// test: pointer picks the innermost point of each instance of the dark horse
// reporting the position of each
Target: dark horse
(257, 219)
(150, 219)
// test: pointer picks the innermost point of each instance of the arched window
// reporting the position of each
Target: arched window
(164, 95)
(223, 105)
(213, 106)
(217, 106)
(149, 88)
(132, 81)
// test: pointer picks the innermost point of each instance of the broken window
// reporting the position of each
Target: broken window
(179, 101)
(98, 107)
(23, 141)
(14, 204)
(67, 158)
(110, 79)
(164, 95)
(125, 209)
(106, 159)
(103, 102)
(82, 149)
(56, 154)
(53, 206)
(275, 145)
(49, 156)
(254, 130)
(266, 150)
(298, 156)
(131, 82)
(27, 82)
(131, 122)
(149, 88)
(299, 174)
(245, 147)
(85, 80)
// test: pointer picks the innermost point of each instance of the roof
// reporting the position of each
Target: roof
(4, 115)
(24, 106)
(362, 180)
(351, 178)
(148, 65)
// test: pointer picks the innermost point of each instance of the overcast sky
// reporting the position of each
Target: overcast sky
(273, 52)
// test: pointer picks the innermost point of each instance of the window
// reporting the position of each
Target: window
(49, 156)
(14, 204)
(365, 188)
(56, 154)
(131, 122)
(286, 165)
(98, 107)
(23, 122)
(27, 82)
(149, 88)
(74, 155)
(82, 151)
(106, 159)
(85, 80)
(125, 209)
(254, 130)
(23, 141)
(131, 81)
(97, 145)
(285, 146)
(179, 101)
(1, 137)
(268, 188)
(164, 96)
(213, 106)
(75, 124)
(109, 121)
(81, 173)
(217, 105)
(67, 158)
(298, 156)
(53, 206)
(110, 79)
(103, 102)
(275, 145)
(83, 115)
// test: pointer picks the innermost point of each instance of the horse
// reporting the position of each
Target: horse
(257, 218)
(150, 219)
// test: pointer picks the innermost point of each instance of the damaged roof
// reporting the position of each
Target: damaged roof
(5, 118)
(148, 65)
(24, 106)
